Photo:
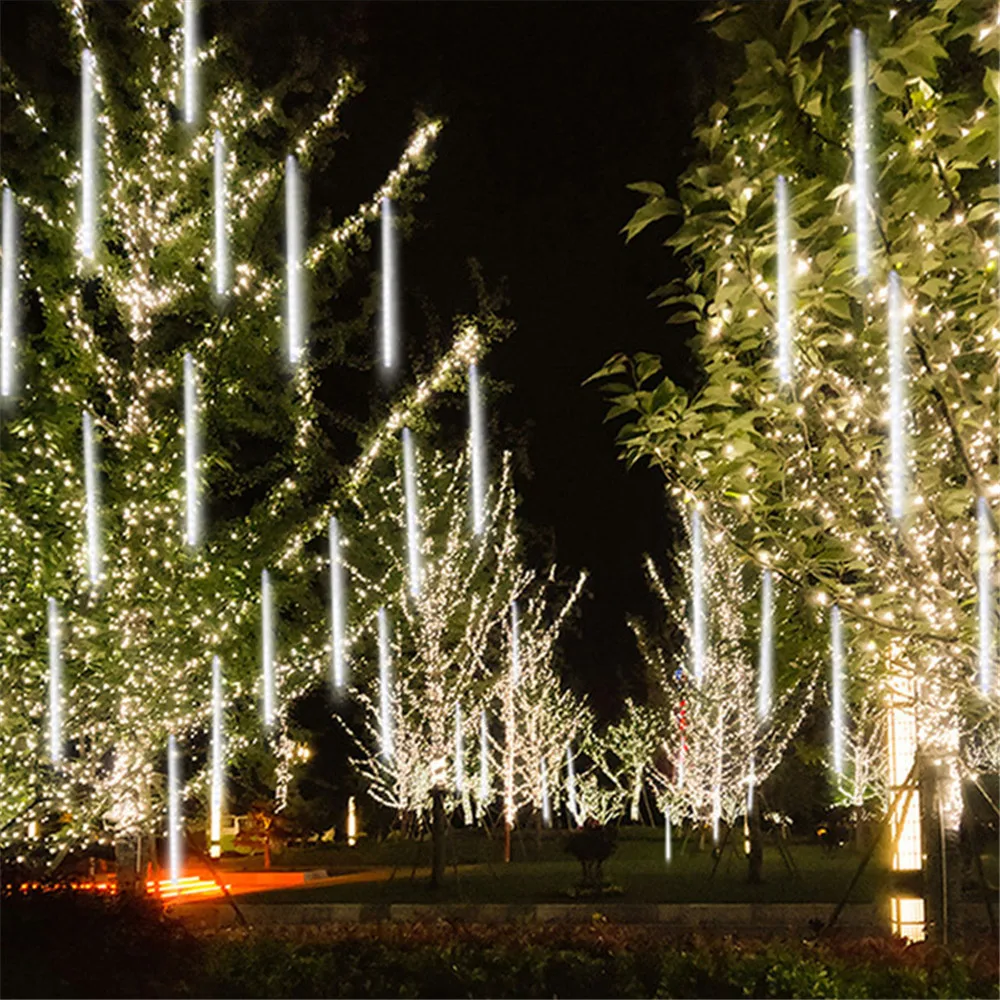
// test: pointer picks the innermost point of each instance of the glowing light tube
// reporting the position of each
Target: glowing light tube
(215, 801)
(267, 646)
(385, 693)
(190, 61)
(785, 360)
(93, 500)
(897, 400)
(390, 293)
(8, 302)
(859, 91)
(477, 452)
(174, 820)
(546, 804)
(571, 784)
(986, 606)
(293, 263)
(515, 643)
(221, 207)
(410, 494)
(338, 609)
(484, 760)
(55, 685)
(88, 157)
(697, 596)
(765, 675)
(459, 751)
(668, 836)
(191, 453)
(717, 781)
(837, 689)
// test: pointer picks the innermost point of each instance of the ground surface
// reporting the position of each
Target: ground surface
(397, 872)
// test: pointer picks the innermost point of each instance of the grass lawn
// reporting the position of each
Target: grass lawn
(545, 873)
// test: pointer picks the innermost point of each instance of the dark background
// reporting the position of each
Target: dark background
(551, 109)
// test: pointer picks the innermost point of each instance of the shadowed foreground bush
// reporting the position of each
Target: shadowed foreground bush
(62, 946)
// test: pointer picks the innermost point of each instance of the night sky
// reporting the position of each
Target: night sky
(551, 109)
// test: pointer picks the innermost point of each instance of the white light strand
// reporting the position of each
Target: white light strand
(859, 90)
(546, 803)
(459, 752)
(837, 690)
(88, 153)
(390, 292)
(9, 300)
(897, 400)
(93, 501)
(190, 61)
(668, 836)
(985, 596)
(385, 693)
(215, 805)
(765, 676)
(55, 685)
(221, 208)
(484, 760)
(267, 647)
(412, 523)
(338, 609)
(785, 357)
(174, 819)
(571, 784)
(293, 253)
(698, 622)
(191, 455)
(477, 452)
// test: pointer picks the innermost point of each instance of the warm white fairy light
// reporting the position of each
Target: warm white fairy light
(837, 690)
(92, 500)
(295, 306)
(55, 685)
(390, 291)
(698, 611)
(190, 61)
(175, 821)
(88, 155)
(477, 451)
(785, 359)
(897, 399)
(8, 301)
(192, 449)
(412, 513)
(985, 602)
(267, 648)
(765, 674)
(384, 688)
(216, 763)
(221, 199)
(338, 609)
(859, 91)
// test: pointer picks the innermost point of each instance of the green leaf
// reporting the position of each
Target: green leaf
(647, 187)
(890, 82)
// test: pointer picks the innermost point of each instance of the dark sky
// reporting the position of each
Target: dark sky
(552, 108)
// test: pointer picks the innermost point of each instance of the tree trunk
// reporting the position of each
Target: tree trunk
(506, 838)
(940, 808)
(755, 856)
(437, 837)
(267, 852)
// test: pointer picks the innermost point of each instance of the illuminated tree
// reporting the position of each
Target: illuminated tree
(445, 638)
(128, 265)
(714, 745)
(880, 520)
